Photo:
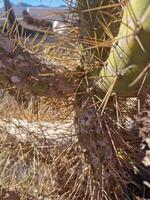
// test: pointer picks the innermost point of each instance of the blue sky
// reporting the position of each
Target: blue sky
(51, 3)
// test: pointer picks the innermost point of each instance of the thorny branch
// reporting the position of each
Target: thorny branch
(26, 72)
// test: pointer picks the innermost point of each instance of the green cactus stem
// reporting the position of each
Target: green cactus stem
(128, 63)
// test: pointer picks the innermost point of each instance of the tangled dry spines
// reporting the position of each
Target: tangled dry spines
(23, 167)
(32, 162)
(75, 183)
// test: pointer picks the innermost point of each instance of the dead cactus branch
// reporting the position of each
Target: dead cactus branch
(26, 72)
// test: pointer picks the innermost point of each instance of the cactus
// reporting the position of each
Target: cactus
(94, 167)
(92, 29)
(128, 62)
(124, 73)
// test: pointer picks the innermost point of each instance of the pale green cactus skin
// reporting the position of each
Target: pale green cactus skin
(128, 61)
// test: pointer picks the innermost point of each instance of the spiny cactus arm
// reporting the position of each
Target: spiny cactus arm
(58, 133)
(96, 19)
(25, 71)
(90, 31)
(128, 63)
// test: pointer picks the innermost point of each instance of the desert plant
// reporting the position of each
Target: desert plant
(96, 163)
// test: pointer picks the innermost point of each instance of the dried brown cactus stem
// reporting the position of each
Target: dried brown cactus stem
(28, 74)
